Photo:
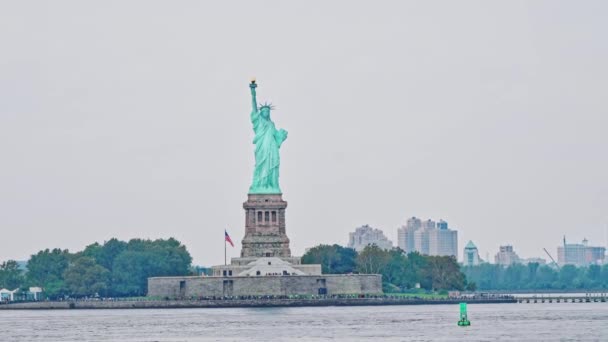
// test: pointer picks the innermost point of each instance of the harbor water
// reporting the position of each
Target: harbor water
(489, 322)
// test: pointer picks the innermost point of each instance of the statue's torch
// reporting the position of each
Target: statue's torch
(253, 84)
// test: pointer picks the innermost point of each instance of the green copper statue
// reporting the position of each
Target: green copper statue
(267, 142)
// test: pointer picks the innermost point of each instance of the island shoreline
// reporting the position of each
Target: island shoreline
(236, 303)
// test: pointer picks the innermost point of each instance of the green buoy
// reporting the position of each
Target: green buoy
(464, 321)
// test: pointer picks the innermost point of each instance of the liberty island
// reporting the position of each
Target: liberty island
(266, 266)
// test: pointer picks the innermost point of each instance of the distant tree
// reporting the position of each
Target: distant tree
(594, 275)
(334, 259)
(493, 275)
(372, 260)
(11, 277)
(471, 286)
(85, 277)
(515, 276)
(399, 271)
(116, 268)
(604, 276)
(146, 258)
(395, 270)
(536, 277)
(105, 254)
(567, 274)
(413, 273)
(546, 277)
(46, 269)
(130, 273)
(443, 272)
(531, 276)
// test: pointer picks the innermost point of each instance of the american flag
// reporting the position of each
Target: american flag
(227, 238)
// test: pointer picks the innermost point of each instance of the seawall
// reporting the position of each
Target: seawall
(237, 303)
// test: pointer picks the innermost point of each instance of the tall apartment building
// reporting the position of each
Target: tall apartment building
(580, 254)
(428, 237)
(506, 256)
(405, 234)
(470, 255)
(365, 236)
(421, 241)
(443, 242)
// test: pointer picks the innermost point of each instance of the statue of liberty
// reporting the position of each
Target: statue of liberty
(267, 142)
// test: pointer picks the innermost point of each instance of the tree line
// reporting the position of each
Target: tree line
(121, 269)
(537, 277)
(399, 271)
(112, 269)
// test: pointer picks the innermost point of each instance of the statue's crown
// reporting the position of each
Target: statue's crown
(266, 105)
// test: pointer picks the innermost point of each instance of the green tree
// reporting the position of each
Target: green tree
(85, 277)
(11, 277)
(567, 274)
(594, 275)
(46, 269)
(485, 276)
(515, 276)
(471, 286)
(443, 273)
(604, 276)
(413, 273)
(130, 273)
(105, 254)
(333, 259)
(395, 269)
(546, 277)
(532, 272)
(535, 276)
(146, 258)
(372, 260)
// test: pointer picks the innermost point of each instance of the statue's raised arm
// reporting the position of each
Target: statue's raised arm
(254, 102)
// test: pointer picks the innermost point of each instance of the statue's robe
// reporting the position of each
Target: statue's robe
(267, 142)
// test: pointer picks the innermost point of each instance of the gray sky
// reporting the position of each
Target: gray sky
(130, 119)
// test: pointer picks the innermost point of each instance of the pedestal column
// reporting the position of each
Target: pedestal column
(265, 227)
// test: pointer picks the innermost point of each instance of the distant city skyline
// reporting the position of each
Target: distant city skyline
(415, 236)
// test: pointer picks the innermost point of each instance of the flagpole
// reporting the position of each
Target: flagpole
(225, 248)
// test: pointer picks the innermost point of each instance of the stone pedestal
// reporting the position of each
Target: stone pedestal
(265, 227)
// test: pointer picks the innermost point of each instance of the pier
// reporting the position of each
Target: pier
(591, 298)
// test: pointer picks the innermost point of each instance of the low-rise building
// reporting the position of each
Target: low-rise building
(580, 254)
(365, 236)
(7, 295)
(506, 256)
(34, 293)
(470, 256)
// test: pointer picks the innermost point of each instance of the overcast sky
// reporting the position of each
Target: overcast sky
(131, 119)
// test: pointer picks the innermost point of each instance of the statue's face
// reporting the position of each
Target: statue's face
(265, 113)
